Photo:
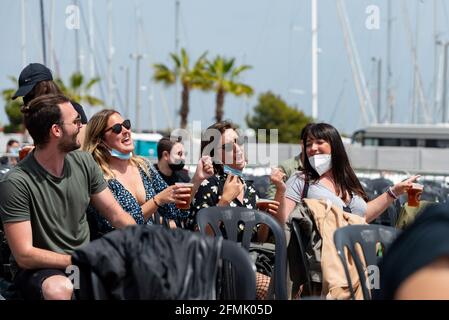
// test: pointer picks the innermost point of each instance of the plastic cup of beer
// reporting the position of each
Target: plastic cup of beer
(23, 152)
(190, 187)
(264, 204)
(414, 194)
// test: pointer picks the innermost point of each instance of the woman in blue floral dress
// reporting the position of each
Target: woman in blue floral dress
(133, 180)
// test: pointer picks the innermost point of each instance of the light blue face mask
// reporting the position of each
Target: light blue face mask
(120, 155)
(234, 172)
(14, 152)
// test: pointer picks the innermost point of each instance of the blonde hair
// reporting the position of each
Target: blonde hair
(94, 143)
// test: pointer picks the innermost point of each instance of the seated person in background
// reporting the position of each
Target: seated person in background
(416, 266)
(133, 180)
(171, 159)
(11, 158)
(12, 149)
(36, 80)
(222, 143)
(44, 200)
(329, 175)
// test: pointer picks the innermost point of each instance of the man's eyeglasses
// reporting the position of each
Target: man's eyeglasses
(228, 147)
(77, 122)
(117, 128)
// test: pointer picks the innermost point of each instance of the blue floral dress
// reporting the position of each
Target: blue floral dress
(153, 184)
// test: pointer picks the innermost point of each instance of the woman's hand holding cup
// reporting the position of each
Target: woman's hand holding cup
(270, 206)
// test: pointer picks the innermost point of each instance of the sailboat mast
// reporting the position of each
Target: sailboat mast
(435, 59)
(352, 63)
(444, 97)
(44, 46)
(110, 54)
(126, 68)
(151, 105)
(314, 60)
(177, 4)
(91, 43)
(417, 83)
(366, 104)
(389, 104)
(51, 63)
(77, 44)
(23, 44)
(379, 90)
(138, 57)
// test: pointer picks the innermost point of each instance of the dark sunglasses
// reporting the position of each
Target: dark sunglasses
(117, 128)
(228, 147)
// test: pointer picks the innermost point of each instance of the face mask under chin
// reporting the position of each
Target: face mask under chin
(119, 155)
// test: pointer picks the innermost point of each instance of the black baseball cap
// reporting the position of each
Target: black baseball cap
(80, 111)
(31, 75)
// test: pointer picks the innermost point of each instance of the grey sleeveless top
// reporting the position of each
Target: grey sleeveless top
(295, 186)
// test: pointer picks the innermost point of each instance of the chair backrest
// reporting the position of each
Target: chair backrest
(245, 284)
(372, 240)
(159, 219)
(5, 254)
(245, 277)
(299, 267)
(233, 219)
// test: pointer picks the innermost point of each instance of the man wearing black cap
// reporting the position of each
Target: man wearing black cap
(30, 76)
(36, 80)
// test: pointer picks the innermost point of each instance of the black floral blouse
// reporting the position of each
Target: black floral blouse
(210, 191)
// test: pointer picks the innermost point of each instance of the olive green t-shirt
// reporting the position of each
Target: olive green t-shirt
(55, 206)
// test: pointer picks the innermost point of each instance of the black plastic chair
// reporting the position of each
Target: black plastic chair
(5, 254)
(368, 237)
(158, 219)
(232, 218)
(230, 252)
(299, 267)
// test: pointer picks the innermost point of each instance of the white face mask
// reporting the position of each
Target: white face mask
(321, 163)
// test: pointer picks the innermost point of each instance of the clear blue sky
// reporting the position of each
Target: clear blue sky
(272, 36)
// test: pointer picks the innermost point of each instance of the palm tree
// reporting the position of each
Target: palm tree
(190, 78)
(223, 75)
(77, 89)
(12, 110)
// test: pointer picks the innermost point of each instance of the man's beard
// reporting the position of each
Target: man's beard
(69, 142)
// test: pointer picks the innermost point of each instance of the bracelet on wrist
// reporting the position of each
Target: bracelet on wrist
(224, 201)
(155, 202)
(391, 193)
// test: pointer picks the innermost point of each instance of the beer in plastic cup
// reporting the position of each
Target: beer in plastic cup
(263, 204)
(23, 152)
(414, 194)
(185, 185)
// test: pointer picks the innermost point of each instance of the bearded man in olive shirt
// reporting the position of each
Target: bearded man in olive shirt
(44, 200)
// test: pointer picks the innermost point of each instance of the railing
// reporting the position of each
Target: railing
(410, 160)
